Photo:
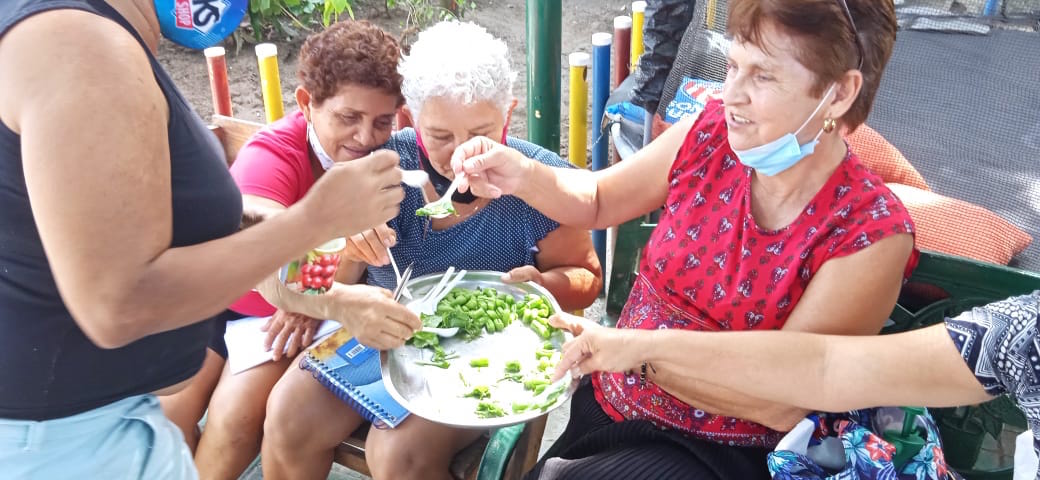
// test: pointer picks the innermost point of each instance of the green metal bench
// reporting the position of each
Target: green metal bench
(978, 440)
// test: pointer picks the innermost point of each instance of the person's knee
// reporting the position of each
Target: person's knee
(292, 421)
(236, 416)
(394, 456)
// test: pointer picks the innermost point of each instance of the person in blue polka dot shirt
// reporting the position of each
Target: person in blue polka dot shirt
(457, 85)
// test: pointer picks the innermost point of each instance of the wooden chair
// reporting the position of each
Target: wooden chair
(978, 440)
(504, 454)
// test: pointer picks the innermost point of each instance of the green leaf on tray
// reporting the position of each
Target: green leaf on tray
(489, 410)
(480, 392)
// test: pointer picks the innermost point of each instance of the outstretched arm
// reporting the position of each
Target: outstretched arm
(861, 310)
(811, 371)
(574, 197)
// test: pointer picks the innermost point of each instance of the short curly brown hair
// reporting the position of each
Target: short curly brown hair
(349, 52)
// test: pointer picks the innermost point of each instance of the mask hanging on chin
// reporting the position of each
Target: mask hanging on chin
(199, 24)
(440, 182)
(783, 153)
(323, 158)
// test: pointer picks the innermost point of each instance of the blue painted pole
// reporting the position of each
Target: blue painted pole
(600, 92)
(992, 7)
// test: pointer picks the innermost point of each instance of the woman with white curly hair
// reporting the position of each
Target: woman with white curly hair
(457, 84)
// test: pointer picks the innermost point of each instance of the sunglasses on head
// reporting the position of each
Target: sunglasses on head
(855, 33)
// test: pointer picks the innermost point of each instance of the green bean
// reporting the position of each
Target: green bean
(487, 323)
(489, 410)
(478, 362)
(541, 330)
(479, 393)
(533, 383)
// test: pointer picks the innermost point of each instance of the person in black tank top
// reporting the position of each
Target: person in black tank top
(118, 225)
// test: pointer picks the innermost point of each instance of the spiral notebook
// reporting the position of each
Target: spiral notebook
(351, 371)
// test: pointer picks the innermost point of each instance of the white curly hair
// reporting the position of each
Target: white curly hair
(460, 61)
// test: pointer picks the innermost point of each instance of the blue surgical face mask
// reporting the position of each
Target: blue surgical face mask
(783, 153)
(199, 24)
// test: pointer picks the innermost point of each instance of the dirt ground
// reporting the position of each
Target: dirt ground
(503, 18)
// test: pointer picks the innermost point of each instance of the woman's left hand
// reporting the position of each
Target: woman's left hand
(288, 333)
(526, 273)
(594, 348)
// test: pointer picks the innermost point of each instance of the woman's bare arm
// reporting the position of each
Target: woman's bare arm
(100, 190)
(851, 295)
(569, 267)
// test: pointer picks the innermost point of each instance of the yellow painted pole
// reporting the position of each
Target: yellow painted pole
(577, 139)
(711, 15)
(578, 130)
(270, 83)
(638, 18)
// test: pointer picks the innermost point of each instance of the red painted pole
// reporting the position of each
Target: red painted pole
(218, 80)
(622, 48)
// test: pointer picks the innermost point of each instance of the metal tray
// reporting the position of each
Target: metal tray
(437, 394)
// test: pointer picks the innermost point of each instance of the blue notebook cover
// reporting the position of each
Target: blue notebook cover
(351, 371)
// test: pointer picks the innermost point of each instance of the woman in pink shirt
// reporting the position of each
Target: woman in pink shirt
(348, 96)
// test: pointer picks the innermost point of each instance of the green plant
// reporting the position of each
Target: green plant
(288, 19)
(293, 18)
(423, 13)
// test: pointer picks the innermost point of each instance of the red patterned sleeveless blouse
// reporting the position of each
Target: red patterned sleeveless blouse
(708, 266)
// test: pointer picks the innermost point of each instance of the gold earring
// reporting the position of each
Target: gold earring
(828, 125)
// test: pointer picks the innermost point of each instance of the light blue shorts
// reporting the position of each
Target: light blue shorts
(128, 439)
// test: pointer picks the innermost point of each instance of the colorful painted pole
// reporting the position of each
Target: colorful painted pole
(543, 72)
(636, 49)
(578, 129)
(992, 8)
(601, 139)
(270, 83)
(577, 133)
(218, 80)
(622, 48)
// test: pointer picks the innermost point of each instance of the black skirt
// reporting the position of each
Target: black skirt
(594, 446)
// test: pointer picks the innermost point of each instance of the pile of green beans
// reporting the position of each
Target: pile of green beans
(484, 309)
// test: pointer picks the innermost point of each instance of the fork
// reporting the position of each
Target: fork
(399, 289)
(423, 305)
(407, 294)
(428, 303)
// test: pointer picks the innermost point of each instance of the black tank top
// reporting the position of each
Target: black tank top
(48, 368)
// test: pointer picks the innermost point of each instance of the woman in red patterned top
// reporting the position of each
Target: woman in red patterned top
(769, 222)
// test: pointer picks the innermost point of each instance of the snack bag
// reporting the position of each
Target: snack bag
(691, 97)
(314, 273)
